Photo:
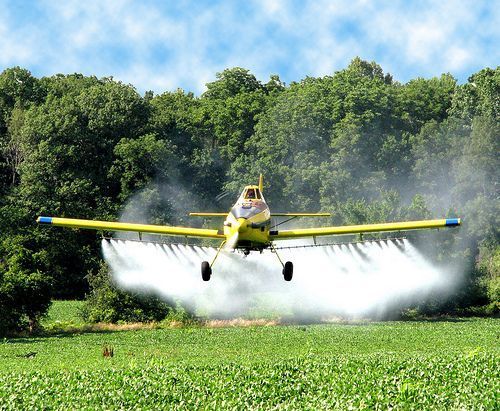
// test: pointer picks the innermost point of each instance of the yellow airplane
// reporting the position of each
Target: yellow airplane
(247, 227)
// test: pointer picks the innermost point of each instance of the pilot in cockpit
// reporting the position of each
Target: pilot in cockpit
(250, 194)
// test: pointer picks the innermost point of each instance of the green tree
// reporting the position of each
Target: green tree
(232, 105)
(69, 143)
(25, 290)
(138, 162)
(18, 91)
(480, 96)
(477, 176)
(435, 150)
(194, 167)
(423, 100)
(320, 136)
(489, 266)
(18, 86)
(232, 82)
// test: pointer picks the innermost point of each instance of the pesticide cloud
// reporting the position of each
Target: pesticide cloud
(359, 279)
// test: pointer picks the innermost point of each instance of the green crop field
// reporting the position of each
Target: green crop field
(398, 365)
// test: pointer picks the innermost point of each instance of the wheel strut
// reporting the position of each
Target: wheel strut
(206, 267)
(287, 267)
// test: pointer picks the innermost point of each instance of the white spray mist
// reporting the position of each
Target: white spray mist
(354, 280)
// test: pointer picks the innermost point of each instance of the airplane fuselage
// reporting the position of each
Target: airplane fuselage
(248, 223)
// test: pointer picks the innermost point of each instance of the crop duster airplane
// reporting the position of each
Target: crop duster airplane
(247, 227)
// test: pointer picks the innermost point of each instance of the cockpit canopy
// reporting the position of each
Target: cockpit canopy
(252, 193)
(250, 203)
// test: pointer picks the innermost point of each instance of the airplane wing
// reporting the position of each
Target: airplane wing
(364, 228)
(140, 228)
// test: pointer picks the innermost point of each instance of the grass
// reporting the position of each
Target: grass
(400, 365)
(64, 313)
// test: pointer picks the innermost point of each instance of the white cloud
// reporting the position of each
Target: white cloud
(422, 41)
(273, 7)
(164, 45)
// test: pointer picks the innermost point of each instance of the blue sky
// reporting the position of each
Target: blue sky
(162, 45)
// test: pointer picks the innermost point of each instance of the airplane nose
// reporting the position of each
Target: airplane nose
(242, 225)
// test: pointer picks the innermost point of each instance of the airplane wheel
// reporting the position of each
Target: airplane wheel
(206, 271)
(288, 271)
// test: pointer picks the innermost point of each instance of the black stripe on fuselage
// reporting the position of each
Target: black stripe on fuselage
(260, 225)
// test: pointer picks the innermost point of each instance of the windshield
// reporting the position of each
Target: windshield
(252, 194)
(247, 210)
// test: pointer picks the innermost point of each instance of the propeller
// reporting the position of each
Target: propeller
(222, 195)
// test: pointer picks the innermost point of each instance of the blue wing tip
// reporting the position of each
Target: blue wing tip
(450, 222)
(44, 220)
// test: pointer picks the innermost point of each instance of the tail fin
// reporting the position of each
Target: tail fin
(261, 183)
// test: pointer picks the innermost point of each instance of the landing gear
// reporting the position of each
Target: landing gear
(206, 267)
(287, 267)
(288, 271)
(206, 271)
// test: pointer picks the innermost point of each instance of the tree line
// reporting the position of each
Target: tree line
(356, 143)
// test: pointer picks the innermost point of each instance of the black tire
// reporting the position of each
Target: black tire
(206, 271)
(288, 271)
